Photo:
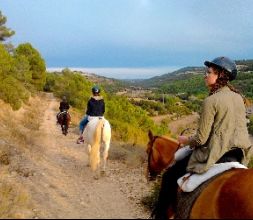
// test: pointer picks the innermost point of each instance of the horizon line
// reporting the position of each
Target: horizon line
(121, 72)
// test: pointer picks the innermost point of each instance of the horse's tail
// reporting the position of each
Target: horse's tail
(95, 148)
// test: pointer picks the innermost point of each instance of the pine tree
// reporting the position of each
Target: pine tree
(4, 31)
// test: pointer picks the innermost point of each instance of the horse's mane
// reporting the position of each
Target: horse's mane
(169, 139)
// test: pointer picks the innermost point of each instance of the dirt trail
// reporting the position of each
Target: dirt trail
(62, 186)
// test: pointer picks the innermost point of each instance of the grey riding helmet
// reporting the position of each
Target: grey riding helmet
(226, 64)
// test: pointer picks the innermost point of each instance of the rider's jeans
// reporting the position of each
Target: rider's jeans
(83, 123)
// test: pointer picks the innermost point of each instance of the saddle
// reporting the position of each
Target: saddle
(63, 112)
(185, 200)
(94, 117)
(191, 185)
(190, 181)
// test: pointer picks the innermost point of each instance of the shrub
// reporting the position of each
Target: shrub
(250, 125)
(13, 92)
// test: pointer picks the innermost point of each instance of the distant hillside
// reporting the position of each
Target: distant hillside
(158, 81)
(184, 74)
(108, 84)
(185, 80)
(244, 65)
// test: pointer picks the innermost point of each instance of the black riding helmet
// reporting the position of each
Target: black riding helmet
(95, 90)
(226, 64)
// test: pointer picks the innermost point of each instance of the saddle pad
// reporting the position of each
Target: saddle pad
(185, 200)
(63, 112)
(95, 117)
(190, 181)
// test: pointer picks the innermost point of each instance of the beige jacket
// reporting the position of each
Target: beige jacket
(222, 126)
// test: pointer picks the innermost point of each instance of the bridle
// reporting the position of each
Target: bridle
(150, 154)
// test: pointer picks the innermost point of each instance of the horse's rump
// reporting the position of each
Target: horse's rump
(97, 132)
(63, 117)
(185, 200)
(227, 196)
(95, 156)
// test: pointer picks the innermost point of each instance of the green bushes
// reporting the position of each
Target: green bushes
(250, 125)
(172, 104)
(13, 92)
(21, 72)
(37, 68)
(72, 85)
(5, 62)
(244, 82)
(192, 84)
(130, 121)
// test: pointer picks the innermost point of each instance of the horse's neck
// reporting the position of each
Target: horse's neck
(167, 149)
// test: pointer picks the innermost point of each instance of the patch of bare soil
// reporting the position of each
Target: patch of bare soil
(176, 126)
(57, 183)
(185, 122)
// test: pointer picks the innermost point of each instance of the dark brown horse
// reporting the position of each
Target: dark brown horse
(64, 120)
(229, 195)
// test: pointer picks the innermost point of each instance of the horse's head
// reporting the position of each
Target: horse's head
(160, 152)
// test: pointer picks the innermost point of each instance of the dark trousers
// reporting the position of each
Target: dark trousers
(168, 192)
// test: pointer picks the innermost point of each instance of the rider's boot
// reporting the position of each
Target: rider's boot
(80, 140)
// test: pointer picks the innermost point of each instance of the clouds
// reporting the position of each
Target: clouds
(136, 34)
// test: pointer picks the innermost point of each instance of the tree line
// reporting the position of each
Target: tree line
(22, 69)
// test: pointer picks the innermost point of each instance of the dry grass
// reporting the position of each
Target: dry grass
(4, 156)
(14, 201)
(18, 131)
(20, 125)
(133, 156)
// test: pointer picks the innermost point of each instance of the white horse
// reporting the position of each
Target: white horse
(96, 133)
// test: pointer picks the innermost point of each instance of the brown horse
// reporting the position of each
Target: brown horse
(64, 120)
(229, 195)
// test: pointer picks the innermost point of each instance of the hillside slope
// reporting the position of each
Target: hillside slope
(44, 174)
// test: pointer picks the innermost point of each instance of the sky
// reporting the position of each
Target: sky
(132, 38)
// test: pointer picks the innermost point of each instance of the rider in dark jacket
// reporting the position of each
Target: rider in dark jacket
(64, 106)
(95, 107)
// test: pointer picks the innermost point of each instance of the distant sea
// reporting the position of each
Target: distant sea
(122, 72)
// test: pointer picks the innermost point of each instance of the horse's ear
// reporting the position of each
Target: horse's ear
(150, 135)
